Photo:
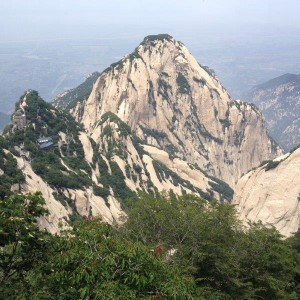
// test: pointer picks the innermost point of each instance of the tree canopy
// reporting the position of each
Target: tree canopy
(167, 248)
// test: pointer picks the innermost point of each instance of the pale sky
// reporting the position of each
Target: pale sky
(245, 41)
(51, 19)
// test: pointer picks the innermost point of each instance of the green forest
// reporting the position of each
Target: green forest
(166, 248)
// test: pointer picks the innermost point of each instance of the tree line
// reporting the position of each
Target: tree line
(167, 247)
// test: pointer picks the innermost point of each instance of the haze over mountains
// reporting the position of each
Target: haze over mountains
(4, 120)
(55, 65)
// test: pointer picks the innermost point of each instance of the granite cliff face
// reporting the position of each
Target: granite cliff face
(175, 104)
(279, 100)
(84, 174)
(271, 194)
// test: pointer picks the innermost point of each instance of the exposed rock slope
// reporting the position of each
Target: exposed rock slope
(174, 103)
(271, 193)
(82, 175)
(279, 100)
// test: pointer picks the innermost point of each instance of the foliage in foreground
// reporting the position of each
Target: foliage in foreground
(226, 261)
(168, 248)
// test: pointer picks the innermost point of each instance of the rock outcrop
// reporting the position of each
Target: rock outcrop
(173, 103)
(271, 194)
(155, 121)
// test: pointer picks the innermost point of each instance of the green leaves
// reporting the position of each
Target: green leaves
(226, 260)
(11, 174)
(21, 241)
(93, 262)
(172, 248)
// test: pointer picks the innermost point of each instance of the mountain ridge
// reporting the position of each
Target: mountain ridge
(279, 100)
(155, 122)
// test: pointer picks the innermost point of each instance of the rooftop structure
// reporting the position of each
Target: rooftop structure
(45, 143)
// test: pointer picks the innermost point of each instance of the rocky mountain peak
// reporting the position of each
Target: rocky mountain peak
(158, 37)
(172, 102)
(162, 42)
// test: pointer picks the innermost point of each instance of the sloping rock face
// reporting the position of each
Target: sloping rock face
(126, 165)
(174, 103)
(84, 174)
(81, 202)
(271, 194)
(279, 100)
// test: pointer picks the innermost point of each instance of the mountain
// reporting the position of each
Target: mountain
(82, 175)
(156, 121)
(4, 120)
(279, 100)
(179, 106)
(271, 193)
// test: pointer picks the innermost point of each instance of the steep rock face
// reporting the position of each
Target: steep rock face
(174, 103)
(85, 203)
(271, 193)
(129, 165)
(54, 156)
(83, 175)
(279, 100)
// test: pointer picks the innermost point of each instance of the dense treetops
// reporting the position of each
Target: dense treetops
(168, 248)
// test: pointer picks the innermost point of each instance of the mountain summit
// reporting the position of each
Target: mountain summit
(172, 102)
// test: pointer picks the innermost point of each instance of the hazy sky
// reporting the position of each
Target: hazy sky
(245, 41)
(49, 19)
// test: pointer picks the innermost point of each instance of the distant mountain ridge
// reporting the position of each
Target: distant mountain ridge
(279, 100)
(283, 79)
